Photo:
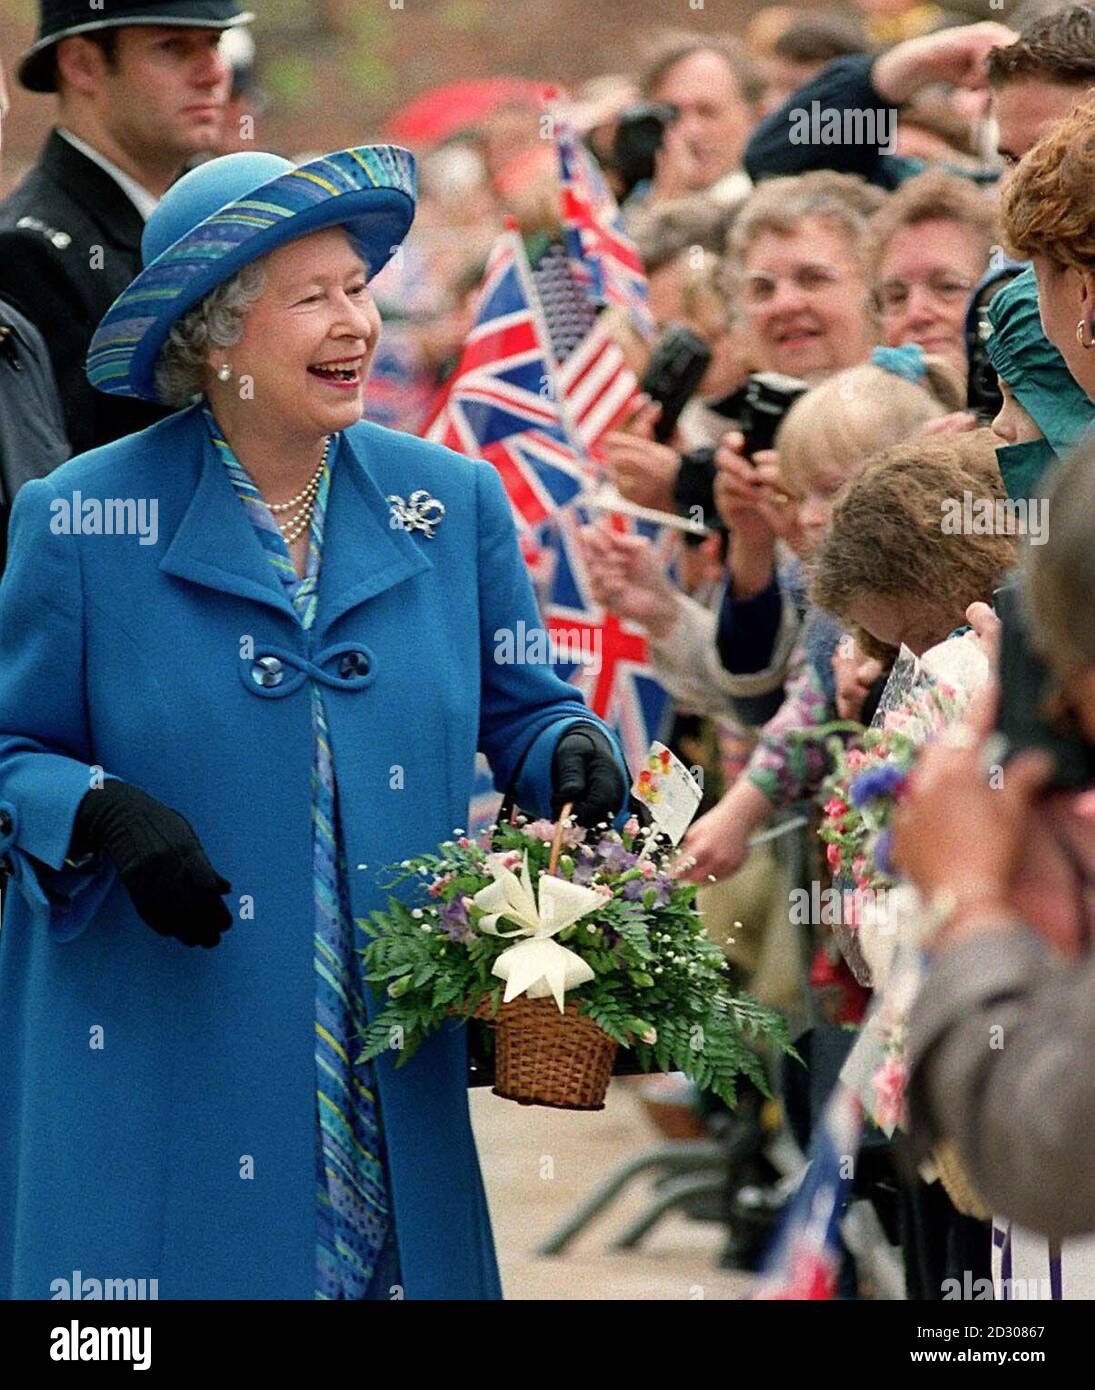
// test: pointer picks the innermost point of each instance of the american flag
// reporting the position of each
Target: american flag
(503, 404)
(598, 387)
(602, 255)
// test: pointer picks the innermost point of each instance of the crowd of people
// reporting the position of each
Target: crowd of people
(881, 219)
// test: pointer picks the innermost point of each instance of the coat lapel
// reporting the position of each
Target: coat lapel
(363, 555)
(215, 544)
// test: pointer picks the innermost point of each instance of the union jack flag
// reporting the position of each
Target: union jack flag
(506, 405)
(606, 658)
(503, 401)
(804, 1264)
(602, 255)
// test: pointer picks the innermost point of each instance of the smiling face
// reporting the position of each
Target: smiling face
(805, 298)
(925, 276)
(307, 342)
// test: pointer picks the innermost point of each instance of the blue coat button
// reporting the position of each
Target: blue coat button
(353, 664)
(267, 671)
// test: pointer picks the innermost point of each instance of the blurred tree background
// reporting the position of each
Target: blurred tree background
(331, 71)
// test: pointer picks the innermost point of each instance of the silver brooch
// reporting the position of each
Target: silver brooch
(421, 513)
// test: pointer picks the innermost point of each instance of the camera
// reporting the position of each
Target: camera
(675, 369)
(640, 130)
(767, 398)
(983, 397)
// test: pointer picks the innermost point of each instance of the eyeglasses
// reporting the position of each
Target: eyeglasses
(945, 286)
(810, 279)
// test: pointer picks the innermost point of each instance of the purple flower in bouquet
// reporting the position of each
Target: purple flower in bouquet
(634, 890)
(453, 920)
(614, 857)
(874, 783)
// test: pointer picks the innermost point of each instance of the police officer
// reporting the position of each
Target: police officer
(141, 89)
(32, 432)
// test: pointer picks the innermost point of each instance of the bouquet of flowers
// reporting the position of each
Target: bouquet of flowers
(542, 926)
(860, 795)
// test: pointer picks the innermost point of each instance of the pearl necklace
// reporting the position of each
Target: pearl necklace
(302, 506)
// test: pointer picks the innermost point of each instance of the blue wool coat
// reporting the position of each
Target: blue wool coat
(157, 1103)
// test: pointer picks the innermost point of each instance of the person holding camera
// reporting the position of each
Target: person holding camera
(701, 99)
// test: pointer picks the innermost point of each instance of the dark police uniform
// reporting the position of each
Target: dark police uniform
(32, 432)
(70, 242)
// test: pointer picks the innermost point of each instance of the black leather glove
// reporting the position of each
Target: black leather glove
(584, 770)
(174, 888)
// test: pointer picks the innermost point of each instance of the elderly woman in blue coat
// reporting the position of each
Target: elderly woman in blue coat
(247, 657)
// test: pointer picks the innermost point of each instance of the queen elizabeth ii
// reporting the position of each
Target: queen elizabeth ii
(219, 739)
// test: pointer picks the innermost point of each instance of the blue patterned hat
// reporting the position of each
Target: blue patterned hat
(229, 212)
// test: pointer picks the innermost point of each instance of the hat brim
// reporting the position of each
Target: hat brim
(37, 70)
(370, 191)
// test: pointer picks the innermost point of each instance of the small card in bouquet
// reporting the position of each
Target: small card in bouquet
(668, 791)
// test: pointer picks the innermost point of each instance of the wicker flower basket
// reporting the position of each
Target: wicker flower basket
(544, 1057)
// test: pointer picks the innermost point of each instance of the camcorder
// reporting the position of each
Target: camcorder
(1023, 717)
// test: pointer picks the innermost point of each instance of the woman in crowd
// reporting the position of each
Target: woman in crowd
(927, 246)
(236, 721)
(1048, 214)
(795, 266)
(794, 276)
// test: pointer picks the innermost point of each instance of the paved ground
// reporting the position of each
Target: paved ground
(539, 1163)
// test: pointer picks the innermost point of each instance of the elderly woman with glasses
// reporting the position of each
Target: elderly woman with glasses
(927, 247)
(216, 733)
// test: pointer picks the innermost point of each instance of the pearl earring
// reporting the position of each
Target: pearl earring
(224, 373)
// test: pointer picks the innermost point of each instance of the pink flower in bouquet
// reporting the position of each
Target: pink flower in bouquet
(602, 888)
(889, 1088)
(512, 859)
(855, 757)
(835, 808)
(631, 826)
(647, 869)
(832, 855)
(544, 830)
(438, 886)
